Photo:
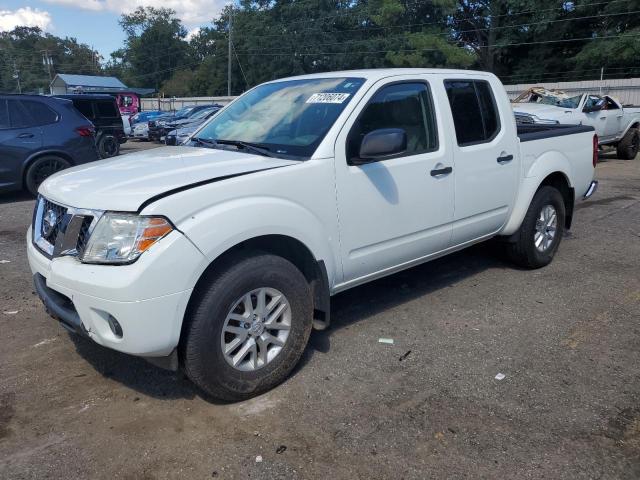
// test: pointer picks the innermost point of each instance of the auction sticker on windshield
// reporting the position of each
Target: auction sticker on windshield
(328, 98)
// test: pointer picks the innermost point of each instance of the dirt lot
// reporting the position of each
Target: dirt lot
(567, 337)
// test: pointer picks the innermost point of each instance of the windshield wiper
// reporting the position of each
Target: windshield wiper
(248, 146)
(204, 141)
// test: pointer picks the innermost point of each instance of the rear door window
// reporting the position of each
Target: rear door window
(106, 109)
(40, 113)
(18, 117)
(474, 111)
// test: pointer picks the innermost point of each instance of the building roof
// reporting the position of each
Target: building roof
(90, 81)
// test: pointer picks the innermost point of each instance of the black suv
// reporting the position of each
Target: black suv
(38, 137)
(103, 112)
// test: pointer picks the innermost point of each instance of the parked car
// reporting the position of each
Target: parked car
(103, 112)
(144, 117)
(140, 131)
(221, 257)
(616, 125)
(38, 137)
(180, 135)
(183, 128)
(158, 126)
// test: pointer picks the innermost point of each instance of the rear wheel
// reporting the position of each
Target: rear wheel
(541, 231)
(629, 145)
(248, 327)
(108, 146)
(41, 169)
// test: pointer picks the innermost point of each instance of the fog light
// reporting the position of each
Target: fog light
(115, 327)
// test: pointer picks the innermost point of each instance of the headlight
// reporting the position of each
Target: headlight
(121, 238)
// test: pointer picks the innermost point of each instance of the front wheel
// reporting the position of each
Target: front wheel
(247, 327)
(538, 238)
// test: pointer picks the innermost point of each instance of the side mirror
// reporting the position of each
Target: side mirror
(382, 143)
(599, 105)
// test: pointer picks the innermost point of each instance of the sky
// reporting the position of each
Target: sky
(95, 22)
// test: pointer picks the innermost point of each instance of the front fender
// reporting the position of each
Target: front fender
(220, 227)
(546, 164)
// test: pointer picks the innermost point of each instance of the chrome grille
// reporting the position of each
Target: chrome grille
(60, 230)
(83, 235)
(50, 231)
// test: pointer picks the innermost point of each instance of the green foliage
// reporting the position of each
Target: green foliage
(155, 46)
(522, 41)
(23, 49)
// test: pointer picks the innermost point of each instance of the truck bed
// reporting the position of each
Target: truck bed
(527, 133)
(539, 142)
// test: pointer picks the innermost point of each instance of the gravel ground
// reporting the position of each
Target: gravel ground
(567, 339)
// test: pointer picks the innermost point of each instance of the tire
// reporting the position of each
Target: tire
(628, 147)
(41, 169)
(523, 251)
(201, 346)
(108, 146)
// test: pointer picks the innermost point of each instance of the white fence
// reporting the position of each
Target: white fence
(626, 90)
(173, 103)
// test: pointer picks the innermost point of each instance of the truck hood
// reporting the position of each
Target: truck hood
(124, 183)
(541, 110)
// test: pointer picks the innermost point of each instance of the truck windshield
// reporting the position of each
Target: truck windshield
(288, 118)
(549, 97)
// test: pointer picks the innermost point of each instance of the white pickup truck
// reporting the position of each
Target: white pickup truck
(220, 257)
(616, 125)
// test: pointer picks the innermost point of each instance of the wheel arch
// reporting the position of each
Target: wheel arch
(287, 247)
(39, 154)
(560, 182)
(556, 178)
(635, 123)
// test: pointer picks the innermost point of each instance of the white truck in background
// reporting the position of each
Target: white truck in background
(615, 124)
(220, 256)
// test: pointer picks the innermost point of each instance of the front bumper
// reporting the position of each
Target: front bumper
(147, 298)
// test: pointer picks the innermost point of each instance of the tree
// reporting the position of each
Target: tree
(22, 54)
(154, 48)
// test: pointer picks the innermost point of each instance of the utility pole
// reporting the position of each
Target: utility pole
(48, 61)
(601, 79)
(16, 75)
(229, 54)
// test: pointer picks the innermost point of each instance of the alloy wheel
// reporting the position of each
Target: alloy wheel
(256, 329)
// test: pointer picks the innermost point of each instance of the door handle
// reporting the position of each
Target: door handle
(25, 135)
(441, 171)
(504, 159)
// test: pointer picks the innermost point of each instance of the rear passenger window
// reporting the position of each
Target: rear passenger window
(404, 105)
(106, 109)
(18, 117)
(474, 110)
(84, 107)
(40, 113)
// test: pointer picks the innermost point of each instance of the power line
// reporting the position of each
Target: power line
(436, 22)
(415, 50)
(246, 83)
(463, 31)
